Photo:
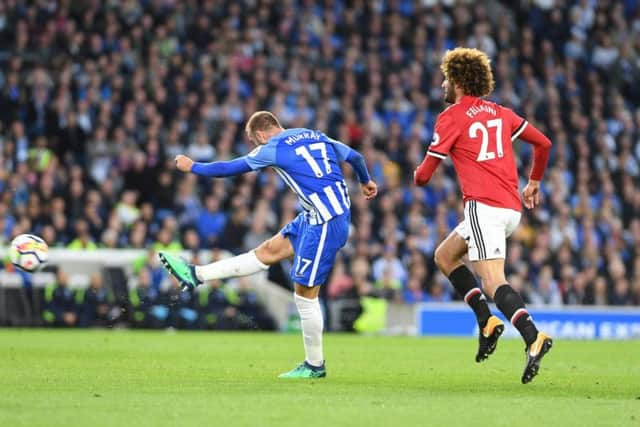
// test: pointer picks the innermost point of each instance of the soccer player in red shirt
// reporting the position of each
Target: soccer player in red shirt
(478, 136)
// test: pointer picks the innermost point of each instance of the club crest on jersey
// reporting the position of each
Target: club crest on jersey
(436, 139)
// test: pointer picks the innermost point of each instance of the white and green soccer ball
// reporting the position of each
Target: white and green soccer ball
(28, 252)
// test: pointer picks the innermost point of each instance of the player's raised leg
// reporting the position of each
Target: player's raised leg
(512, 306)
(270, 252)
(448, 258)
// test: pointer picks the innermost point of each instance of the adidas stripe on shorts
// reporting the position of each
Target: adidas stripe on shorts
(486, 228)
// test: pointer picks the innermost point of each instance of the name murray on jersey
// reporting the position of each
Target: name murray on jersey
(290, 140)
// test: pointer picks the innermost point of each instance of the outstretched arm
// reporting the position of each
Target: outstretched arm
(221, 169)
(214, 169)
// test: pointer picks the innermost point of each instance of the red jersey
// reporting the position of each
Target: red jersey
(478, 135)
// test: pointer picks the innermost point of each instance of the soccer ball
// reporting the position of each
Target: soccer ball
(28, 252)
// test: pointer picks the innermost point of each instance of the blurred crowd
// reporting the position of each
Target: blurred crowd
(147, 305)
(99, 96)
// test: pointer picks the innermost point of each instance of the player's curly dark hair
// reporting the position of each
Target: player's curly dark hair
(470, 69)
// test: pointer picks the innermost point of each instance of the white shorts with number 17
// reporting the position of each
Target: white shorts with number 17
(486, 228)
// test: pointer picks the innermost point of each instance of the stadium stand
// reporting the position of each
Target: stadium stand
(98, 97)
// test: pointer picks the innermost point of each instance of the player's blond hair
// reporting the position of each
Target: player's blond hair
(261, 121)
(470, 69)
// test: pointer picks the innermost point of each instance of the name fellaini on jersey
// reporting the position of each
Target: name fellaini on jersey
(482, 108)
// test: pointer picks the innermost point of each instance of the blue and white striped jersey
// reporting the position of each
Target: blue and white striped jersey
(308, 161)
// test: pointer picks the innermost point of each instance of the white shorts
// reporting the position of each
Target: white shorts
(486, 228)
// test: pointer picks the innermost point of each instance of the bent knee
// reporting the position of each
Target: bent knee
(444, 260)
(490, 282)
(265, 252)
(269, 252)
(439, 257)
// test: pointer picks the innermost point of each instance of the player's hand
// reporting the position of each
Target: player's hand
(531, 194)
(183, 163)
(370, 190)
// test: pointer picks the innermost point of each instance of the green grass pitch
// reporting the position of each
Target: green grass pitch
(134, 378)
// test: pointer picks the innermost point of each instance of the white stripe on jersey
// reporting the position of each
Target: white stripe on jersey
(519, 130)
(313, 204)
(437, 155)
(335, 204)
(316, 261)
(291, 183)
(342, 186)
(324, 212)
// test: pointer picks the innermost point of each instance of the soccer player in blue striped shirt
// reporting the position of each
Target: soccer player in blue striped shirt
(309, 162)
